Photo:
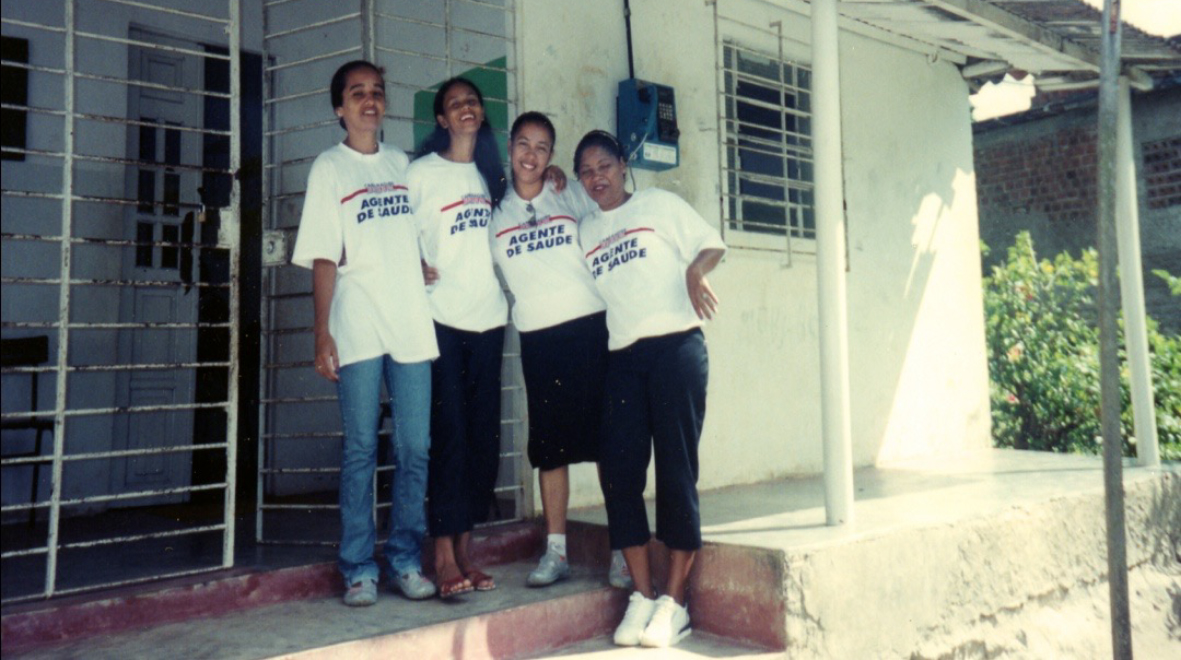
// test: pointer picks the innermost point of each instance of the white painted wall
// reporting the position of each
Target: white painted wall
(919, 379)
(918, 370)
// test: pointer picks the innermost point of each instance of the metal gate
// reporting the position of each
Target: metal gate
(120, 292)
(419, 44)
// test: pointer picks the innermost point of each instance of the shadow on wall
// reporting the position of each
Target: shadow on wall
(914, 305)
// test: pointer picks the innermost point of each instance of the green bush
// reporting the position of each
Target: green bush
(1043, 344)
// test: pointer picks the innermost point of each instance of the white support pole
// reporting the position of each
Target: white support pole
(1132, 284)
(233, 228)
(830, 265)
(63, 316)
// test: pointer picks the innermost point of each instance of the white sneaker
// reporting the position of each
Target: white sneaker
(361, 593)
(669, 624)
(553, 567)
(639, 611)
(414, 585)
(618, 575)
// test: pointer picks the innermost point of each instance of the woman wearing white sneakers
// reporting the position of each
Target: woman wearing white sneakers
(563, 329)
(649, 253)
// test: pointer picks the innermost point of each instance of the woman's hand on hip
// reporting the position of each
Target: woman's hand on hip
(703, 298)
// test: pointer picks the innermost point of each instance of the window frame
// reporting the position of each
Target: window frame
(791, 145)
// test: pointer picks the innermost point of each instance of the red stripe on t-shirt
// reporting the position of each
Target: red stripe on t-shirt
(365, 190)
(552, 218)
(451, 206)
(630, 231)
(348, 197)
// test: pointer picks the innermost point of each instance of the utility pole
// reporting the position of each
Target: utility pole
(1109, 370)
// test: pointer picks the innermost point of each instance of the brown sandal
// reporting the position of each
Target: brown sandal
(480, 580)
(454, 587)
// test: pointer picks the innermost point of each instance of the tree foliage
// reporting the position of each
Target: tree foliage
(1043, 343)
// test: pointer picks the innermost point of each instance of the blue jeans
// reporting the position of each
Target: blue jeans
(359, 391)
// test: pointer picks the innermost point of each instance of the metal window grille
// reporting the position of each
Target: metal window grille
(420, 45)
(107, 243)
(765, 128)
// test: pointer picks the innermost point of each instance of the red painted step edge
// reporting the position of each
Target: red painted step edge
(123, 609)
(30, 626)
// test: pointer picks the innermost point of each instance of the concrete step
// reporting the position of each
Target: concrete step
(77, 618)
(937, 546)
(936, 549)
(511, 621)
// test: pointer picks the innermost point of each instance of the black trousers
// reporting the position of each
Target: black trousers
(655, 404)
(465, 428)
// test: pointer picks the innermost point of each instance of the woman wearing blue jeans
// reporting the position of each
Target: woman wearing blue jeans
(372, 324)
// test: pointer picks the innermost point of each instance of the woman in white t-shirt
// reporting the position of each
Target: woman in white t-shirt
(649, 253)
(563, 326)
(372, 323)
(455, 182)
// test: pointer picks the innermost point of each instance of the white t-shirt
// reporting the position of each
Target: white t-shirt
(357, 214)
(454, 209)
(638, 254)
(541, 257)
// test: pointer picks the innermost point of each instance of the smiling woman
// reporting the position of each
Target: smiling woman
(360, 105)
(649, 254)
(455, 183)
(563, 329)
(372, 324)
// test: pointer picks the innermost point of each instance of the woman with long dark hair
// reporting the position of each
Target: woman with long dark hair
(372, 325)
(455, 182)
(649, 253)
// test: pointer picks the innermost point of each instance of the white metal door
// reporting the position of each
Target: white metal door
(165, 315)
(102, 277)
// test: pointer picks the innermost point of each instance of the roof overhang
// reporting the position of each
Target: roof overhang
(1057, 40)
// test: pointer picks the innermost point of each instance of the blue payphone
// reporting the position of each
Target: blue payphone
(646, 114)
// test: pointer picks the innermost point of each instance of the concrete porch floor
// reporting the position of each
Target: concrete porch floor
(937, 546)
(892, 497)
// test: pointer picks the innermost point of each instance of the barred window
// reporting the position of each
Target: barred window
(767, 134)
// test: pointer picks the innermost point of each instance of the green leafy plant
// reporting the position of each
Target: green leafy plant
(1043, 344)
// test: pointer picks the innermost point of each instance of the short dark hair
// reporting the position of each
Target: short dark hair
(601, 139)
(336, 88)
(534, 117)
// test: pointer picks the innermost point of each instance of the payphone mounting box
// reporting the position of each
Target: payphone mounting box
(646, 114)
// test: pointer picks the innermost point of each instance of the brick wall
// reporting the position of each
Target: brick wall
(1051, 176)
(1038, 174)
(1162, 173)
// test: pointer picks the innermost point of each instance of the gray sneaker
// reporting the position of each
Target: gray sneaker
(550, 569)
(361, 593)
(618, 575)
(413, 585)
